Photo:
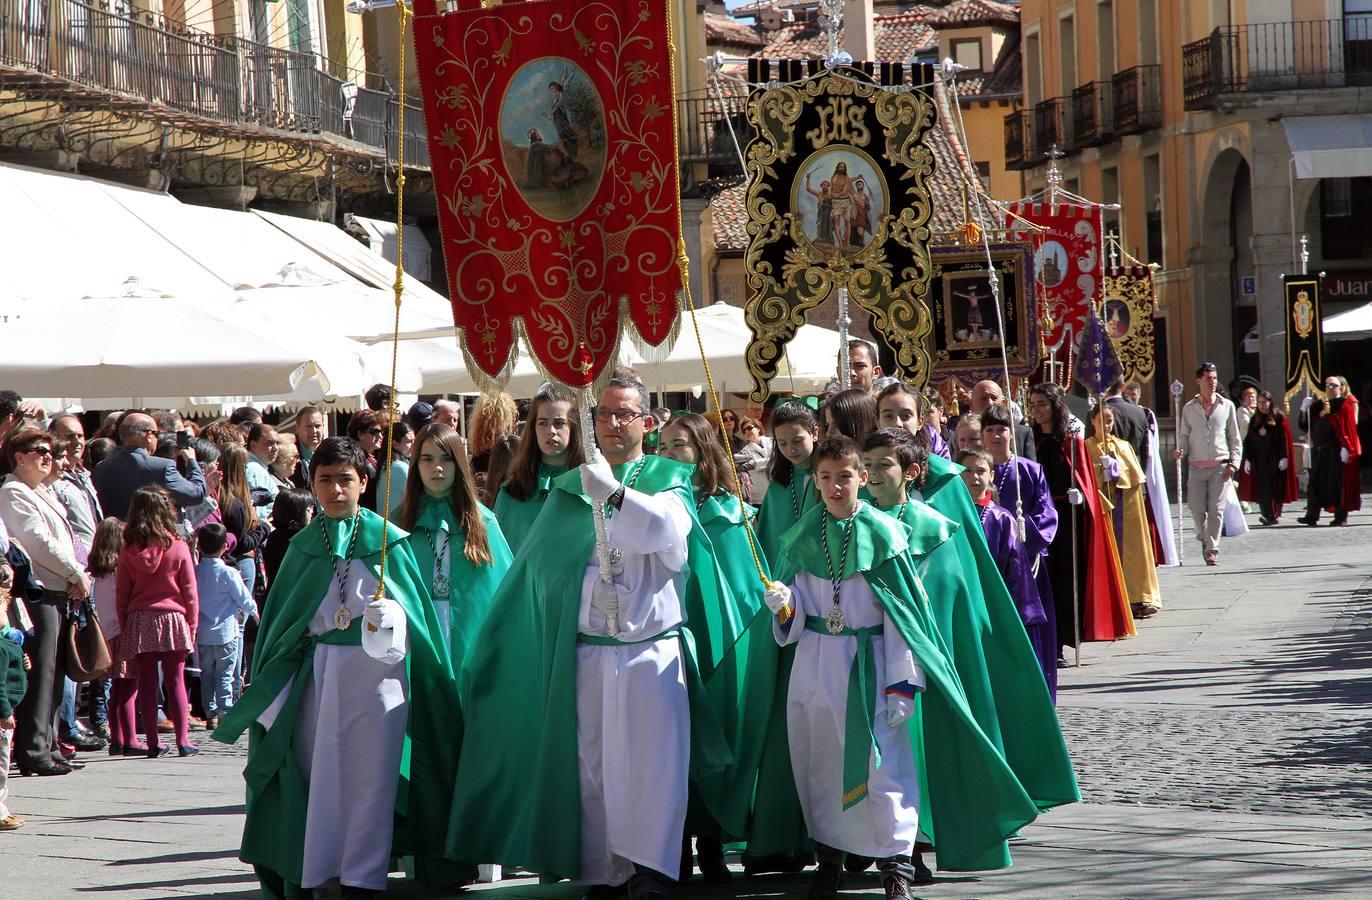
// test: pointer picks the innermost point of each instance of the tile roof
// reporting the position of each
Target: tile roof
(730, 219)
(964, 13)
(898, 37)
(724, 31)
(1004, 77)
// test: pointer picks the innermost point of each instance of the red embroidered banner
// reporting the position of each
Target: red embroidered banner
(1067, 263)
(552, 135)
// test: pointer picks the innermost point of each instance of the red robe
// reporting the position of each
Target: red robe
(1345, 425)
(1106, 613)
(1292, 492)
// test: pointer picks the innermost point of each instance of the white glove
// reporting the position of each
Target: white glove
(1343, 454)
(1110, 467)
(1305, 404)
(383, 613)
(598, 479)
(605, 598)
(1248, 466)
(778, 597)
(1281, 466)
(898, 709)
(1075, 497)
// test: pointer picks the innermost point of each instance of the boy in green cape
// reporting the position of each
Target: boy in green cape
(982, 629)
(348, 692)
(882, 744)
(584, 703)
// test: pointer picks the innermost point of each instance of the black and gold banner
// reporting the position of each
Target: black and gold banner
(838, 197)
(1304, 335)
(1127, 310)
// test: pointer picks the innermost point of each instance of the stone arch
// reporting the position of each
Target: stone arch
(1225, 226)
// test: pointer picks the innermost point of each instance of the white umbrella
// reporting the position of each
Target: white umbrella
(723, 331)
(138, 347)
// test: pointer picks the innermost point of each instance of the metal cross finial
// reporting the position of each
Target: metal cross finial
(1114, 242)
(1305, 254)
(831, 20)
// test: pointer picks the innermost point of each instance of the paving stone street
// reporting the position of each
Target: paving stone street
(1225, 751)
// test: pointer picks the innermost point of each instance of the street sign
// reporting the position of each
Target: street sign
(1250, 285)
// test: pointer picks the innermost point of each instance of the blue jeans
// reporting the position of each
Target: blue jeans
(99, 702)
(248, 569)
(67, 712)
(217, 662)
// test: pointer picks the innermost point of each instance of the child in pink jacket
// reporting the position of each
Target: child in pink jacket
(158, 610)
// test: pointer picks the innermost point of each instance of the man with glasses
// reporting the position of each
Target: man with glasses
(586, 680)
(133, 465)
(263, 446)
(1209, 436)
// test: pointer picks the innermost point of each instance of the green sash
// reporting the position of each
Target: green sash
(859, 737)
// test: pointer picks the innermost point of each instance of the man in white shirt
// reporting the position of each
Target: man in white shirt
(263, 445)
(1209, 436)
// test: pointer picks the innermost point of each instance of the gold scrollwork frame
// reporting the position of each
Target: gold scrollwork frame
(897, 300)
(1135, 347)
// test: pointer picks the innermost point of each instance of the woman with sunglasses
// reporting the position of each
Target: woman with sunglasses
(1343, 417)
(368, 427)
(35, 520)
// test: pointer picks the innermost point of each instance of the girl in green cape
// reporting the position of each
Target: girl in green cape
(457, 542)
(795, 429)
(549, 446)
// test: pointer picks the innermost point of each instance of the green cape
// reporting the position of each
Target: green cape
(991, 650)
(518, 797)
(740, 686)
(471, 587)
(972, 801)
(518, 516)
(274, 830)
(778, 511)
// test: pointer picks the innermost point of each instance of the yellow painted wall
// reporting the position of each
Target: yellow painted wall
(985, 122)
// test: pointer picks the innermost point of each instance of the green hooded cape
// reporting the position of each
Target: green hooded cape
(778, 511)
(274, 830)
(518, 797)
(471, 587)
(517, 516)
(991, 650)
(972, 801)
(740, 687)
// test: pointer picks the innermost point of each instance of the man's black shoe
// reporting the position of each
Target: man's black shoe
(922, 873)
(606, 892)
(895, 888)
(827, 881)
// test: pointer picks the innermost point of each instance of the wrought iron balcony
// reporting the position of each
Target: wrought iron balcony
(1137, 99)
(1277, 56)
(1050, 128)
(1093, 114)
(79, 52)
(1019, 132)
(708, 127)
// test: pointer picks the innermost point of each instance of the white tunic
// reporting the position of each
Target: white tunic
(633, 719)
(886, 823)
(349, 735)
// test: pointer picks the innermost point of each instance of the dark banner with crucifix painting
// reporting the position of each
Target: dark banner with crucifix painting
(966, 337)
(838, 197)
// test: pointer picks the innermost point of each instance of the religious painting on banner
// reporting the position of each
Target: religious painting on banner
(1067, 262)
(1304, 336)
(1127, 316)
(965, 340)
(552, 135)
(838, 198)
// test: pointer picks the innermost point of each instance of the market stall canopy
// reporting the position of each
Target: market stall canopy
(381, 237)
(1353, 325)
(1330, 146)
(128, 348)
(812, 360)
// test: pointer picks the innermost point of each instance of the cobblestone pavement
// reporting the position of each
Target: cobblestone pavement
(1225, 751)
